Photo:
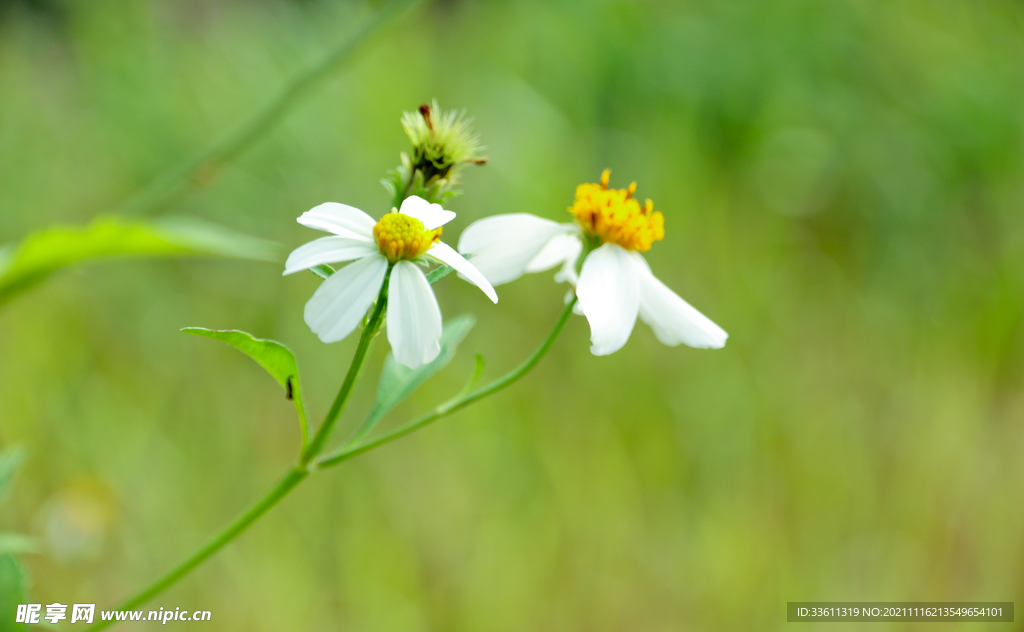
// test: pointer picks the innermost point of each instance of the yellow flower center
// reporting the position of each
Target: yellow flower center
(403, 237)
(614, 216)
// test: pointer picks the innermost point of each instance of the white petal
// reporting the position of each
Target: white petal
(328, 250)
(504, 245)
(609, 292)
(558, 250)
(568, 271)
(341, 301)
(414, 319)
(447, 255)
(674, 320)
(340, 219)
(432, 215)
(576, 309)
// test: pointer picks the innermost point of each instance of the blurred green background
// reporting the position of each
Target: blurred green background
(842, 184)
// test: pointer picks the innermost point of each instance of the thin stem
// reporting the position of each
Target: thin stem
(287, 484)
(243, 522)
(455, 403)
(299, 473)
(316, 444)
(201, 168)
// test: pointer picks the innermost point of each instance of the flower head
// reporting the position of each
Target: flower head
(400, 236)
(613, 216)
(614, 285)
(381, 251)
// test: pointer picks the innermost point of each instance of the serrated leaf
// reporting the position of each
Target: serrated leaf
(13, 584)
(10, 460)
(277, 359)
(13, 543)
(44, 252)
(398, 381)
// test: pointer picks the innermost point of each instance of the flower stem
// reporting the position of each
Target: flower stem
(316, 444)
(295, 476)
(287, 484)
(453, 404)
(299, 473)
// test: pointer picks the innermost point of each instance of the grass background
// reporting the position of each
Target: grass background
(842, 184)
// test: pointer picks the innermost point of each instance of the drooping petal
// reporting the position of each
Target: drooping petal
(559, 249)
(432, 215)
(609, 293)
(504, 245)
(571, 294)
(340, 219)
(414, 319)
(568, 271)
(328, 250)
(447, 255)
(341, 301)
(674, 320)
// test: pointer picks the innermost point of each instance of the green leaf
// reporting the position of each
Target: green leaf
(277, 359)
(10, 460)
(398, 381)
(13, 584)
(11, 543)
(323, 271)
(437, 274)
(44, 252)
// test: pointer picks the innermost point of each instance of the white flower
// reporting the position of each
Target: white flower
(615, 284)
(397, 243)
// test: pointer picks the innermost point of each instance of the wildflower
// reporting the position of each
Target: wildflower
(614, 285)
(385, 251)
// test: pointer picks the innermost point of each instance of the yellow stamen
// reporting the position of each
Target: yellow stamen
(614, 216)
(403, 237)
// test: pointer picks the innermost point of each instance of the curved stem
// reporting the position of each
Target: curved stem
(316, 444)
(287, 484)
(455, 403)
(204, 165)
(299, 473)
(295, 476)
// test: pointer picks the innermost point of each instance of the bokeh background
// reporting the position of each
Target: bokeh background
(842, 184)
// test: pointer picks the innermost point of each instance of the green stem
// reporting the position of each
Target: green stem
(201, 167)
(299, 473)
(455, 403)
(287, 484)
(316, 444)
